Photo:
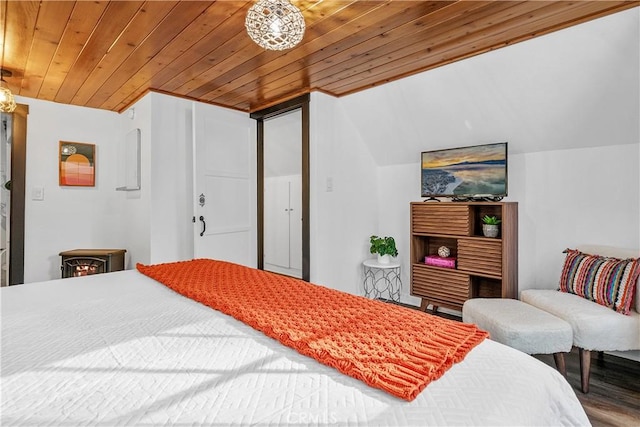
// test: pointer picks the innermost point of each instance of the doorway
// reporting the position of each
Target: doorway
(224, 161)
(13, 144)
(6, 123)
(283, 188)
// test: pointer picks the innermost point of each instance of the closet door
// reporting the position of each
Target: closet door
(295, 222)
(276, 214)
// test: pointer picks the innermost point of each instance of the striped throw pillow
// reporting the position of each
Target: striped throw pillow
(607, 281)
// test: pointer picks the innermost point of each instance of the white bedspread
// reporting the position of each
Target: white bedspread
(122, 349)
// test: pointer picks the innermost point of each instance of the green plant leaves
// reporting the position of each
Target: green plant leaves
(491, 220)
(383, 246)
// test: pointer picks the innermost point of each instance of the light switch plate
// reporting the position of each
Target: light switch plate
(37, 193)
(329, 184)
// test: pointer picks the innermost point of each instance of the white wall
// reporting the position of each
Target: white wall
(565, 198)
(574, 88)
(136, 205)
(282, 148)
(569, 106)
(567, 103)
(171, 179)
(341, 219)
(158, 217)
(569, 198)
(68, 217)
(398, 186)
(100, 217)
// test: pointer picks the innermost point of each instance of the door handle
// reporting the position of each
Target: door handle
(204, 226)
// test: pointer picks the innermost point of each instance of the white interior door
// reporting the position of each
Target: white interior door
(295, 217)
(224, 182)
(276, 214)
(283, 214)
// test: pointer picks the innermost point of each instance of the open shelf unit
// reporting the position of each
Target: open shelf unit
(485, 267)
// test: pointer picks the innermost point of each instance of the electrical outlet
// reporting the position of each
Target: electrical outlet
(329, 184)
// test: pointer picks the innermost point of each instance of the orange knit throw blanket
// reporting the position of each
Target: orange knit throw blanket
(387, 346)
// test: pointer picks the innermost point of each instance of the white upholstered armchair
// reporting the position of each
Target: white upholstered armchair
(595, 327)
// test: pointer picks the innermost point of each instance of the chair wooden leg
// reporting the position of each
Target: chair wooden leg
(585, 369)
(424, 304)
(560, 365)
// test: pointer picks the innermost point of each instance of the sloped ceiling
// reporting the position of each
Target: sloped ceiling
(107, 54)
(579, 87)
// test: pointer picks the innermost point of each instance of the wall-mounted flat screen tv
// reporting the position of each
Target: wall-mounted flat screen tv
(476, 172)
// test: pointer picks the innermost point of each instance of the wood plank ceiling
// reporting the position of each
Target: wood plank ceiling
(107, 54)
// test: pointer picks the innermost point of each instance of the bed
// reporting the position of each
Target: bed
(122, 349)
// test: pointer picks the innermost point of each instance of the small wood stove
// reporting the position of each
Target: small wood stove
(83, 262)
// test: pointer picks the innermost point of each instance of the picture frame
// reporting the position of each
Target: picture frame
(76, 164)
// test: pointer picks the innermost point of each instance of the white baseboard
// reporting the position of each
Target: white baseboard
(631, 354)
(283, 270)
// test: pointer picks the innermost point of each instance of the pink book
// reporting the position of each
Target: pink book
(438, 261)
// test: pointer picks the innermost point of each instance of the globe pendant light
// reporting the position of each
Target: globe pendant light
(275, 24)
(7, 101)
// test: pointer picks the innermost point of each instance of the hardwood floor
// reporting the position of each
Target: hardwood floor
(614, 389)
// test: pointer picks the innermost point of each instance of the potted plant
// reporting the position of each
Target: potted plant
(490, 226)
(385, 247)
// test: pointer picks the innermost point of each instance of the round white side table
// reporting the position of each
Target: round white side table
(381, 281)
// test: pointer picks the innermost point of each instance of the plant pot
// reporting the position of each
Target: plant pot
(384, 259)
(490, 230)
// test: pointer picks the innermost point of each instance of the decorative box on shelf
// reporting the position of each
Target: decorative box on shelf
(438, 261)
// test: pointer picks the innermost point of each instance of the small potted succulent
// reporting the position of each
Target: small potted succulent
(385, 247)
(490, 226)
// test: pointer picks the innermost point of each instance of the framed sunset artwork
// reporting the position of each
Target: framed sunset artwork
(77, 164)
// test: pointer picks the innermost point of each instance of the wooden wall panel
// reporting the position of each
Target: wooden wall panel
(112, 23)
(148, 48)
(108, 54)
(146, 19)
(168, 61)
(20, 24)
(50, 25)
(79, 27)
(492, 36)
(353, 34)
(428, 42)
